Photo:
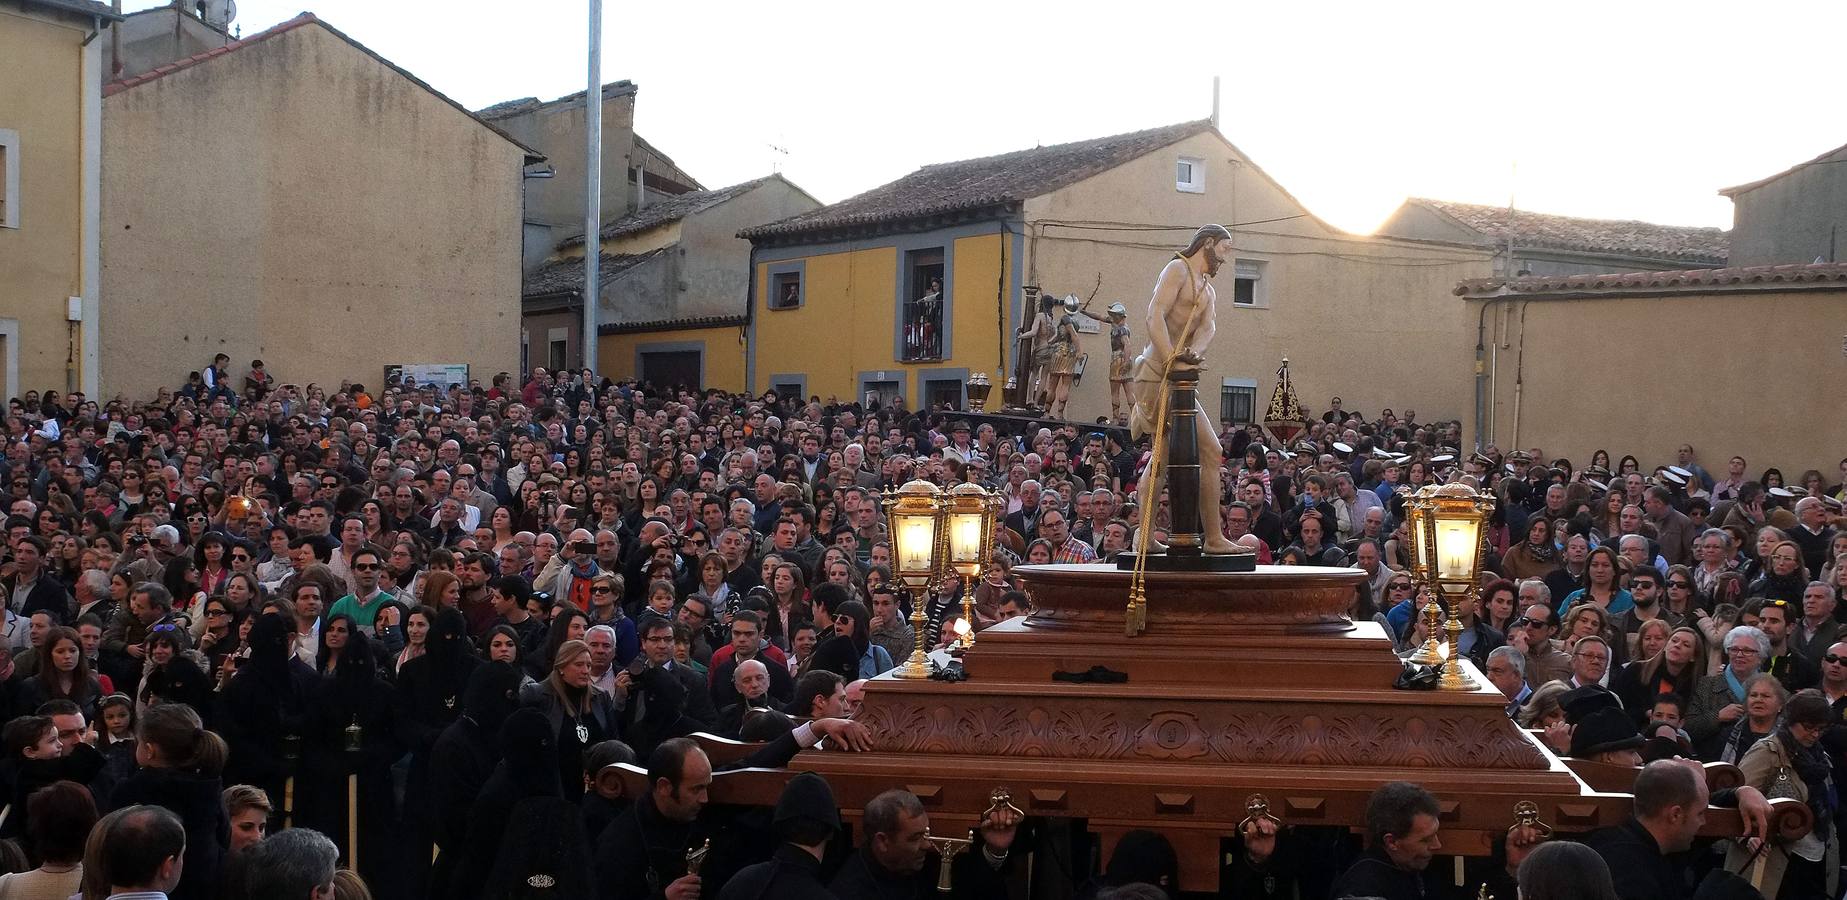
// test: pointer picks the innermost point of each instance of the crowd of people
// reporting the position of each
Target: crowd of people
(468, 602)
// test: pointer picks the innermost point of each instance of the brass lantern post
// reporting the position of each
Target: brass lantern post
(1416, 517)
(970, 510)
(1453, 519)
(915, 516)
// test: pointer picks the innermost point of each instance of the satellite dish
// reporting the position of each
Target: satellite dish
(217, 13)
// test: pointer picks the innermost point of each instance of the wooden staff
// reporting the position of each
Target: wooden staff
(355, 742)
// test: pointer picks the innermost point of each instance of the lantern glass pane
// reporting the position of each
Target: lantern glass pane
(912, 537)
(965, 537)
(1458, 548)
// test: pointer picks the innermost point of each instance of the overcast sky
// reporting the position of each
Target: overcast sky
(1612, 109)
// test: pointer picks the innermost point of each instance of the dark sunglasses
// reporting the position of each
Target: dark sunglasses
(364, 567)
(601, 589)
(1525, 622)
(1834, 658)
(1679, 584)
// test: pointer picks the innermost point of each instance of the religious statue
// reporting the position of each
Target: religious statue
(1181, 322)
(1040, 332)
(1064, 360)
(1118, 361)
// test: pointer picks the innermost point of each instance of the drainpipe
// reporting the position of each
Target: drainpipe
(1519, 376)
(1481, 374)
(593, 188)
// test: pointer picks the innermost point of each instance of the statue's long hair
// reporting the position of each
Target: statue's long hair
(1201, 238)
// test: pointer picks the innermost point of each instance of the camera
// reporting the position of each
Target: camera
(137, 540)
(584, 546)
(548, 496)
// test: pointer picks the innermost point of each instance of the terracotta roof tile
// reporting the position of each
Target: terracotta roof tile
(561, 276)
(661, 212)
(1623, 237)
(975, 184)
(1794, 277)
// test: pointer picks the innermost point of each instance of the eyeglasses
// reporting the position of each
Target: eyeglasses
(164, 627)
(602, 589)
(1742, 650)
(240, 557)
(1401, 585)
(1834, 658)
(364, 567)
(1679, 584)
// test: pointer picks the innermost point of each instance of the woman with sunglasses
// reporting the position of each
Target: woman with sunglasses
(1784, 577)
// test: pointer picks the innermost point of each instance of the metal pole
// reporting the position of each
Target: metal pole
(593, 186)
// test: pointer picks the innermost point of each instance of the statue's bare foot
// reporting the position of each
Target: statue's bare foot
(1155, 546)
(1218, 543)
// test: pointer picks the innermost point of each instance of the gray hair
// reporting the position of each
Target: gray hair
(1545, 593)
(1750, 633)
(293, 862)
(604, 629)
(1624, 543)
(96, 580)
(744, 503)
(1725, 537)
(1514, 658)
(157, 594)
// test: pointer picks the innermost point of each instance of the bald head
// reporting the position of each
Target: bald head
(752, 680)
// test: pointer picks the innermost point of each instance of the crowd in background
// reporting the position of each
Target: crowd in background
(471, 600)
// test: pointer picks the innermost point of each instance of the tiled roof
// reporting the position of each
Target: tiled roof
(669, 324)
(306, 18)
(562, 276)
(661, 212)
(80, 7)
(976, 184)
(1623, 238)
(507, 108)
(1753, 278)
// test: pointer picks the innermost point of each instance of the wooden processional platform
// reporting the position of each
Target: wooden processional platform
(1242, 685)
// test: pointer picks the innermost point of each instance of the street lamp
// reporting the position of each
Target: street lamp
(915, 513)
(971, 511)
(1451, 520)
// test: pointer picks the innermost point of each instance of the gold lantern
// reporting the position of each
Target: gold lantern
(1448, 525)
(915, 514)
(978, 389)
(970, 510)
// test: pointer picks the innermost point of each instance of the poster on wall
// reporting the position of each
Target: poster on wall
(443, 375)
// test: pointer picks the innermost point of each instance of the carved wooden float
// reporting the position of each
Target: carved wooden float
(1242, 684)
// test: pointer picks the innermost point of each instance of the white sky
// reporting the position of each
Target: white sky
(1615, 109)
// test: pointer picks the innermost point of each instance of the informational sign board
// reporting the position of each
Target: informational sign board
(443, 375)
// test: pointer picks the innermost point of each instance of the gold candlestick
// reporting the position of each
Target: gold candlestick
(1454, 679)
(918, 666)
(968, 611)
(1430, 654)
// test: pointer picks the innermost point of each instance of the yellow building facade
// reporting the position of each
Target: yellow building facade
(1365, 317)
(50, 171)
(846, 335)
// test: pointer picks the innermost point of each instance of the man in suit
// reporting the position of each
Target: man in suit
(657, 650)
(1817, 630)
(1025, 520)
(31, 588)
